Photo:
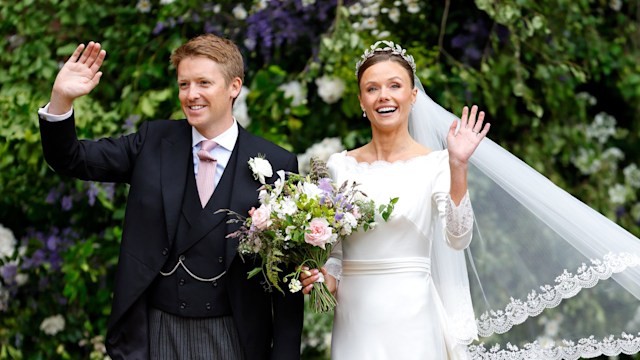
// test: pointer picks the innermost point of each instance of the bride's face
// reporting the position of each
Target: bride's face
(386, 95)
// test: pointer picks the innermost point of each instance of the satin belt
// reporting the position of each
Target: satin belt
(386, 266)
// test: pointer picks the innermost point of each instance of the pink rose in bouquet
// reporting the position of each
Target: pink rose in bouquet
(320, 233)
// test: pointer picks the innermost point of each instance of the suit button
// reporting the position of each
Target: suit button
(183, 305)
(182, 257)
(165, 251)
(181, 282)
(220, 259)
(208, 306)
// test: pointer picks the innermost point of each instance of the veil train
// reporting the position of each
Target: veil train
(549, 277)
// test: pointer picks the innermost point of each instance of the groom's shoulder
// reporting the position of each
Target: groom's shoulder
(264, 145)
(169, 124)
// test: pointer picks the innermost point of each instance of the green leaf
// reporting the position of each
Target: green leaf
(254, 272)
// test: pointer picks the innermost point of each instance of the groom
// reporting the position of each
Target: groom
(181, 290)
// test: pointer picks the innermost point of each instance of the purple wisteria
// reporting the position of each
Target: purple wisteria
(473, 40)
(288, 25)
(68, 195)
(274, 29)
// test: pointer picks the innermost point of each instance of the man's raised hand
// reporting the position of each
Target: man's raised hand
(79, 75)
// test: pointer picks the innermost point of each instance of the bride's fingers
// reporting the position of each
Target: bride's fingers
(477, 128)
(471, 121)
(485, 130)
(309, 277)
(464, 118)
(307, 289)
(453, 127)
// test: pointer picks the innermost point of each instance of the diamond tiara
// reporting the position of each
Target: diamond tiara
(385, 45)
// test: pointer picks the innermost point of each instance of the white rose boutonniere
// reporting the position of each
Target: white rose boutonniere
(261, 168)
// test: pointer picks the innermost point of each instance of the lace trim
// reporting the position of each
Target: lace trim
(567, 286)
(459, 218)
(463, 329)
(384, 163)
(334, 268)
(585, 348)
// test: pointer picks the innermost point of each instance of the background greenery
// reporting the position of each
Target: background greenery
(559, 80)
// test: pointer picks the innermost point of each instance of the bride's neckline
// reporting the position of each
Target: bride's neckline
(355, 161)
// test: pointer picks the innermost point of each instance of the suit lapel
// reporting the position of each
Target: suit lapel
(175, 159)
(245, 189)
(191, 208)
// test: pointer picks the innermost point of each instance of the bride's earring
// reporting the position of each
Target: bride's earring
(364, 113)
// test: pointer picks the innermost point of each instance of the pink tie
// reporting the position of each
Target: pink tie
(206, 171)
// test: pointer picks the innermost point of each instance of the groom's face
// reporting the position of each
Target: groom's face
(205, 96)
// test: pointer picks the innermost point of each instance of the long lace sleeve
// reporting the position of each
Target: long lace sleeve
(334, 264)
(456, 220)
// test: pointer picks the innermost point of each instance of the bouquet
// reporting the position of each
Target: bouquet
(299, 220)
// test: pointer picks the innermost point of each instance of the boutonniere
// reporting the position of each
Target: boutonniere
(261, 168)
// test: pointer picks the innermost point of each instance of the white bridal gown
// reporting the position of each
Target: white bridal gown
(388, 304)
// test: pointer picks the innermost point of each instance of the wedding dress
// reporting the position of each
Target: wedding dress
(389, 306)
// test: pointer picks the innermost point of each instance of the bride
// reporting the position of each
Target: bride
(389, 303)
(549, 278)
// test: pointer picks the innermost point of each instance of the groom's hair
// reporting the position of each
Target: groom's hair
(223, 51)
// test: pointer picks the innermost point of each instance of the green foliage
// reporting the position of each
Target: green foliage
(276, 118)
(547, 73)
(385, 210)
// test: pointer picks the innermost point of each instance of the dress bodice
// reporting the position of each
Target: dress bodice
(407, 233)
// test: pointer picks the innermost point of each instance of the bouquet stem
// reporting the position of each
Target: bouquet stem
(322, 300)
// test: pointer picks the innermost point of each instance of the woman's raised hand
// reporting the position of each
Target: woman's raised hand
(463, 143)
(79, 75)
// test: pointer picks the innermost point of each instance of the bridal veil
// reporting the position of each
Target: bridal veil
(548, 277)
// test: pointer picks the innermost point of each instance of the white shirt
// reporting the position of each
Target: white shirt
(222, 153)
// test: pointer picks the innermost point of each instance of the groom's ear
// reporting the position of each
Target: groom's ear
(235, 87)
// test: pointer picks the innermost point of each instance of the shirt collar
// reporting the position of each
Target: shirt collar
(227, 139)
